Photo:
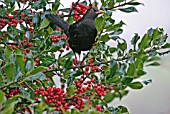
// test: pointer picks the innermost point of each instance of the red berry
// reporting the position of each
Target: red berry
(36, 59)
(15, 24)
(22, 15)
(41, 89)
(91, 64)
(97, 69)
(10, 17)
(110, 88)
(86, 73)
(36, 98)
(87, 68)
(92, 69)
(36, 93)
(91, 60)
(7, 13)
(73, 4)
(15, 12)
(29, 44)
(25, 108)
(9, 23)
(21, 21)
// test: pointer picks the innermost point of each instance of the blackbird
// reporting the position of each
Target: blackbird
(82, 33)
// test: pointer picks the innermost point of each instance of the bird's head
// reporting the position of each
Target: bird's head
(92, 13)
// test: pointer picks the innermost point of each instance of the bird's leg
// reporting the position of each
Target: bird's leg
(77, 60)
(85, 57)
(75, 57)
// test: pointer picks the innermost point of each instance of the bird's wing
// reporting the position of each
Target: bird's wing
(58, 21)
(82, 34)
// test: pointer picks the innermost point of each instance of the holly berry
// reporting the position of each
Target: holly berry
(22, 15)
(29, 44)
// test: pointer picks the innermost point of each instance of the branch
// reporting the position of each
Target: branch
(118, 59)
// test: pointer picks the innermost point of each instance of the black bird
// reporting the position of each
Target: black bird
(82, 33)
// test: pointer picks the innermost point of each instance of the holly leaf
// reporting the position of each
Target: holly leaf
(9, 70)
(44, 23)
(128, 9)
(135, 85)
(71, 90)
(37, 69)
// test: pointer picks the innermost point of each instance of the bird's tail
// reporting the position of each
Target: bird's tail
(58, 21)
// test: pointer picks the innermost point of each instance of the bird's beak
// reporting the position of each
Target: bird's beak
(99, 11)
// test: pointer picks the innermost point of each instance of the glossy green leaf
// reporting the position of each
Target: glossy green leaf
(7, 52)
(9, 109)
(44, 23)
(126, 80)
(71, 91)
(12, 31)
(135, 85)
(70, 20)
(105, 38)
(2, 94)
(115, 79)
(10, 10)
(39, 4)
(50, 30)
(40, 107)
(109, 97)
(37, 69)
(144, 42)
(122, 110)
(167, 45)
(131, 69)
(99, 23)
(55, 6)
(153, 64)
(122, 46)
(38, 76)
(135, 39)
(68, 63)
(141, 73)
(155, 58)
(156, 35)
(9, 70)
(128, 9)
(135, 3)
(112, 69)
(20, 62)
(75, 111)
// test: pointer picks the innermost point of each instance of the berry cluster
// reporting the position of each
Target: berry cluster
(60, 37)
(55, 97)
(79, 9)
(12, 92)
(89, 68)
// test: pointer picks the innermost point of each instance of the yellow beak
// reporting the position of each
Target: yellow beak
(99, 11)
